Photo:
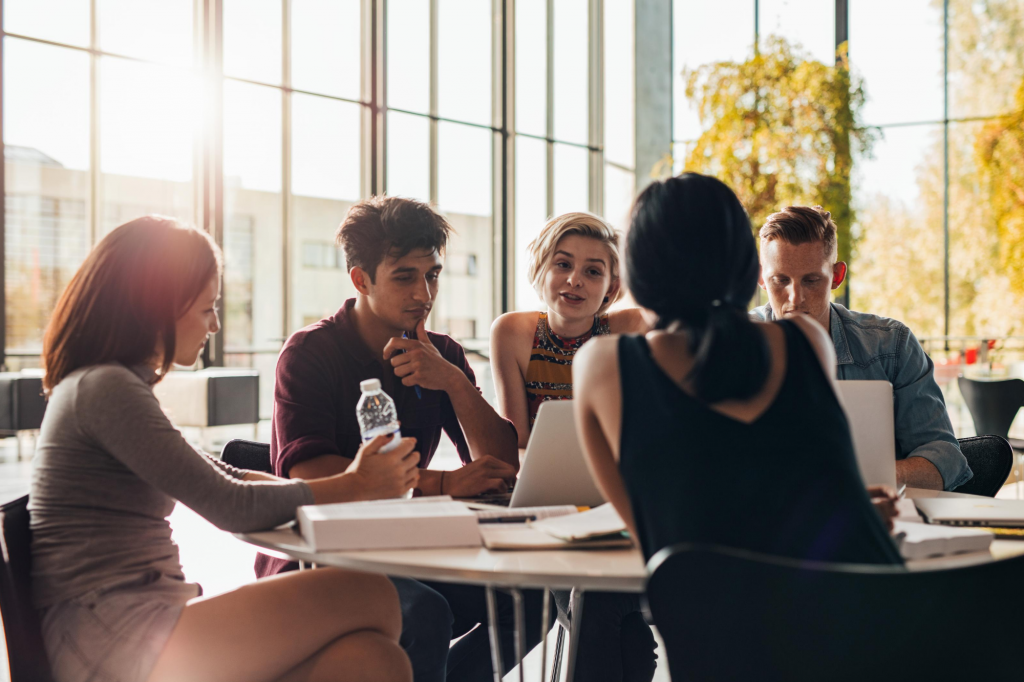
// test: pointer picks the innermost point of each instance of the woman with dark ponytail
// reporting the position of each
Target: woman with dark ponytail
(712, 403)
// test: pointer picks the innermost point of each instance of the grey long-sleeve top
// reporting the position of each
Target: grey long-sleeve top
(107, 470)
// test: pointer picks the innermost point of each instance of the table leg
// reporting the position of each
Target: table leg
(494, 632)
(545, 615)
(302, 565)
(556, 667)
(575, 625)
(520, 633)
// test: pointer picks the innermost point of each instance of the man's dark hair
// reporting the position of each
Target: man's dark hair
(389, 226)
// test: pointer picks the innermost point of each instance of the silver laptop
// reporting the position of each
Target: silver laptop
(554, 471)
(973, 511)
(869, 411)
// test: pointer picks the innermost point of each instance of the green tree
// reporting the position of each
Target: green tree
(780, 129)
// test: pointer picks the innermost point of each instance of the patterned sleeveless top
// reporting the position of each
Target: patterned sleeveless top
(549, 374)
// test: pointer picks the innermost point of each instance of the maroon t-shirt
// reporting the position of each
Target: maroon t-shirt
(315, 396)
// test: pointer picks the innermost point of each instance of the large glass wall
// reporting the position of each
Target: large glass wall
(262, 121)
(934, 236)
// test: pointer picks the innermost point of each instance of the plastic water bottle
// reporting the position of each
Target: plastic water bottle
(377, 415)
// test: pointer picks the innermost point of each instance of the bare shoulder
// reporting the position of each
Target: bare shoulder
(597, 359)
(515, 323)
(627, 321)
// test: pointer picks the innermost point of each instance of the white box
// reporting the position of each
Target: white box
(388, 525)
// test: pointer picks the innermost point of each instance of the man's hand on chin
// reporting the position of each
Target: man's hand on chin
(918, 472)
(417, 362)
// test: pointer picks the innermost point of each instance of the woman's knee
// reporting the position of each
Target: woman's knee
(372, 657)
(370, 595)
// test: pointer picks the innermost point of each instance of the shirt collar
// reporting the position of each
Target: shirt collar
(838, 330)
(352, 343)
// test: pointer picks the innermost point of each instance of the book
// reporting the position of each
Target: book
(388, 524)
(600, 522)
(923, 540)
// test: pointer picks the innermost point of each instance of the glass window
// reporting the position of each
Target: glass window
(464, 60)
(810, 24)
(253, 236)
(531, 67)
(464, 301)
(252, 40)
(157, 31)
(900, 59)
(572, 179)
(530, 213)
(572, 88)
(62, 21)
(619, 187)
(146, 133)
(619, 79)
(408, 161)
(898, 195)
(986, 58)
(326, 181)
(46, 156)
(700, 37)
(408, 55)
(326, 47)
(326, 141)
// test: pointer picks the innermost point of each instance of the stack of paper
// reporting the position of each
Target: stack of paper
(922, 540)
(389, 524)
(523, 514)
(600, 522)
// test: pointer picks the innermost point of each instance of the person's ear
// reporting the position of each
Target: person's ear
(838, 274)
(360, 280)
(613, 290)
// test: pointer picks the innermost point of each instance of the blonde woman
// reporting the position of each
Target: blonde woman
(574, 267)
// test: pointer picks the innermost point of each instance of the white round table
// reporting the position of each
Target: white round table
(615, 570)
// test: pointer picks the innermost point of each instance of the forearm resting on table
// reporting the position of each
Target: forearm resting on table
(918, 472)
(332, 465)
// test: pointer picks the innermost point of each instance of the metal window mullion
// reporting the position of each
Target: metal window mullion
(366, 85)
(595, 73)
(550, 105)
(433, 101)
(211, 177)
(378, 101)
(286, 166)
(503, 154)
(95, 214)
(3, 209)
(945, 168)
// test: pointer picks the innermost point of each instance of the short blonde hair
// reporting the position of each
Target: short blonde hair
(542, 249)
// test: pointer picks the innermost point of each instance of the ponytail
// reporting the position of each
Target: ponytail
(691, 258)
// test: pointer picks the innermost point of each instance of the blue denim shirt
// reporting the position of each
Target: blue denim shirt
(873, 347)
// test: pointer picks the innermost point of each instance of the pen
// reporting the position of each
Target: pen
(419, 393)
(519, 519)
(902, 491)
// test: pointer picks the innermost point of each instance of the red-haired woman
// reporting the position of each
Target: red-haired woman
(109, 466)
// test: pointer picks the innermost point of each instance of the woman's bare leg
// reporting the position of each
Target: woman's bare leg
(270, 628)
(364, 656)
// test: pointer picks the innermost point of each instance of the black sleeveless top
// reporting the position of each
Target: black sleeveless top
(787, 484)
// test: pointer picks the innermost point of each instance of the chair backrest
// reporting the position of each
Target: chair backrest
(992, 404)
(728, 614)
(991, 460)
(247, 454)
(25, 649)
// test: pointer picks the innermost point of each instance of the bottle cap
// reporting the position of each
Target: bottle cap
(369, 385)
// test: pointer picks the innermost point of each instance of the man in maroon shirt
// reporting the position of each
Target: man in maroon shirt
(394, 251)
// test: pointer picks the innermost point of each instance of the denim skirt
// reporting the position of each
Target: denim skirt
(116, 633)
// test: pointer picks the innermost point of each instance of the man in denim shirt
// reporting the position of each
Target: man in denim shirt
(798, 270)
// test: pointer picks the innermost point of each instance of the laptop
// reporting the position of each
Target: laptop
(974, 511)
(869, 410)
(554, 470)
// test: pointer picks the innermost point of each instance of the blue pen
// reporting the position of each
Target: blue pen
(419, 393)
